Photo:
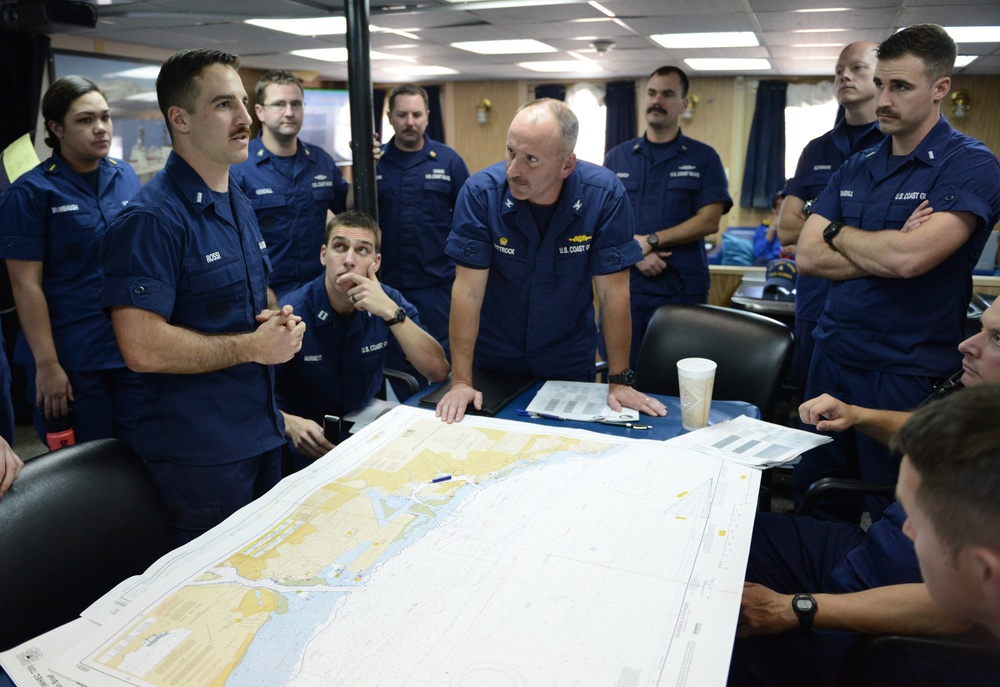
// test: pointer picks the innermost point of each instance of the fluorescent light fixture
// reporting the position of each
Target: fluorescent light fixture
(504, 47)
(965, 60)
(826, 9)
(974, 34)
(601, 8)
(558, 66)
(397, 32)
(335, 54)
(316, 26)
(731, 39)
(148, 97)
(726, 64)
(421, 70)
(150, 72)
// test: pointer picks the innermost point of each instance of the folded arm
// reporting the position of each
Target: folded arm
(891, 253)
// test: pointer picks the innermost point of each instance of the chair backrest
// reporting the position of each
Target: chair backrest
(752, 352)
(75, 523)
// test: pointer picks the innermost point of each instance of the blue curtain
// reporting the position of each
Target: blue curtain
(764, 174)
(435, 125)
(621, 115)
(551, 90)
(378, 104)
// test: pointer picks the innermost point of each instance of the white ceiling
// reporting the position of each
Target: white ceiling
(570, 26)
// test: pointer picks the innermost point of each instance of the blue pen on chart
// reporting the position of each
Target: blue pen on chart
(442, 478)
(545, 416)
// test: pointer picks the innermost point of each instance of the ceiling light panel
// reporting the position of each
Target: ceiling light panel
(728, 39)
(504, 47)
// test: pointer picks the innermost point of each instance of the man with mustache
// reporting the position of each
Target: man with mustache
(291, 184)
(678, 192)
(418, 184)
(897, 231)
(820, 158)
(530, 236)
(186, 285)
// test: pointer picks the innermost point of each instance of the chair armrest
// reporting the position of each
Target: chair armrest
(832, 485)
(976, 644)
(411, 382)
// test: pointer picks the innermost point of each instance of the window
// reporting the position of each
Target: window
(810, 111)
(587, 103)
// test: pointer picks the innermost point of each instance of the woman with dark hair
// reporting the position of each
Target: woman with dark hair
(52, 221)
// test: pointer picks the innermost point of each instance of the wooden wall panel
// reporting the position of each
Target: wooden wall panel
(480, 145)
(983, 121)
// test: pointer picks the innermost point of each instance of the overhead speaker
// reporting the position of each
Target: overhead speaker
(37, 14)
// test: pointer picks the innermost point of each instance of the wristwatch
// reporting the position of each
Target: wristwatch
(400, 316)
(804, 606)
(807, 207)
(626, 378)
(653, 240)
(830, 233)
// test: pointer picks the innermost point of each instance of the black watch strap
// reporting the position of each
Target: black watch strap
(399, 317)
(830, 233)
(627, 378)
(804, 606)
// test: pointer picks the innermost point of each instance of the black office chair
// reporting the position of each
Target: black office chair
(75, 523)
(752, 352)
(976, 647)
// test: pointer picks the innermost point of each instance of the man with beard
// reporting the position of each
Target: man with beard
(186, 285)
(678, 191)
(897, 231)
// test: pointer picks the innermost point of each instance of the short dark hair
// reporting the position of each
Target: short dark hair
(176, 85)
(358, 220)
(57, 99)
(275, 76)
(669, 69)
(929, 42)
(569, 125)
(407, 89)
(954, 445)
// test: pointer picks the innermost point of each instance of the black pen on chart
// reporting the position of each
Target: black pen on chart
(440, 478)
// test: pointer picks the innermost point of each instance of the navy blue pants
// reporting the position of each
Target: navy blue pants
(852, 454)
(642, 307)
(104, 403)
(792, 554)
(802, 356)
(199, 497)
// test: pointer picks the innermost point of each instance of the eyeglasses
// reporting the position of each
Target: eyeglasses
(280, 106)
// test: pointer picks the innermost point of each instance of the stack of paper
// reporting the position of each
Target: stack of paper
(751, 442)
(580, 401)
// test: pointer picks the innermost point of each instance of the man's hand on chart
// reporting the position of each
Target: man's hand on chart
(451, 408)
(620, 395)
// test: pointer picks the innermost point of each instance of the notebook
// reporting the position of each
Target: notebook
(498, 390)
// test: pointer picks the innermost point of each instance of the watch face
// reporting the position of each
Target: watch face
(803, 604)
